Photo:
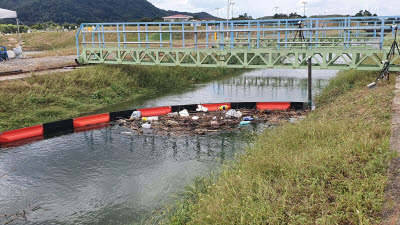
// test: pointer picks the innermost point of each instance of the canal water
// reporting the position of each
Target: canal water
(107, 177)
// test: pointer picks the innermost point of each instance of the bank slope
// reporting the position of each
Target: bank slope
(328, 169)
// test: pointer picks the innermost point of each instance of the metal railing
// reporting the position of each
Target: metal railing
(344, 32)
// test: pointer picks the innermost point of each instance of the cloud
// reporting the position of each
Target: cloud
(259, 8)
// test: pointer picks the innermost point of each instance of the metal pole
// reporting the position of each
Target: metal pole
(276, 10)
(19, 35)
(227, 10)
(305, 2)
(232, 3)
(309, 83)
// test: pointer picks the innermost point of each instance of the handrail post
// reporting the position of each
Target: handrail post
(279, 34)
(258, 34)
(221, 36)
(77, 40)
(161, 38)
(207, 36)
(183, 35)
(170, 36)
(195, 35)
(147, 37)
(382, 31)
(309, 82)
(119, 38)
(286, 34)
(138, 27)
(83, 36)
(316, 33)
(232, 35)
(249, 36)
(102, 35)
(124, 29)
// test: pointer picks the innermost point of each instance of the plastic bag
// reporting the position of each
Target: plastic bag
(184, 113)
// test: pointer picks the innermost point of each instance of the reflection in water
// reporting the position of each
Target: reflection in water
(253, 86)
(103, 177)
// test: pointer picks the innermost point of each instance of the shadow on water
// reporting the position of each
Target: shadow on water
(108, 177)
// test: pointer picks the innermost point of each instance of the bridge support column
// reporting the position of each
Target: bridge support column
(309, 82)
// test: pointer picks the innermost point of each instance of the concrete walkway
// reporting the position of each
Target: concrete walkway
(392, 205)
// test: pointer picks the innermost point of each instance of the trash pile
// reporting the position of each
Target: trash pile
(202, 121)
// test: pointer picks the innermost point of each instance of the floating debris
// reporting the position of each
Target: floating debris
(202, 121)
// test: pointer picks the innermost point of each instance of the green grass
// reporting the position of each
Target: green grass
(328, 169)
(53, 97)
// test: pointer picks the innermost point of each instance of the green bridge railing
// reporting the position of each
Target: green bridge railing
(360, 43)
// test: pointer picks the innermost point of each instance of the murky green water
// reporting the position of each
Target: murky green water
(105, 177)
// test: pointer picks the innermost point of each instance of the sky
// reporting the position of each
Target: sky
(259, 8)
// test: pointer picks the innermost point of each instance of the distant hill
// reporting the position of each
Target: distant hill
(60, 11)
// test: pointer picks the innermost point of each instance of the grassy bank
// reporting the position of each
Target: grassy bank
(52, 97)
(328, 169)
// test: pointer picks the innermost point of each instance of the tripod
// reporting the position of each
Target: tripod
(299, 33)
(385, 71)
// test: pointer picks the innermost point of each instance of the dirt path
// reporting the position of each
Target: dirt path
(29, 64)
(392, 205)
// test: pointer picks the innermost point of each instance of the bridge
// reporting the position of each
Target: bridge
(343, 43)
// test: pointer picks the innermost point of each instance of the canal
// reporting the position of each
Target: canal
(107, 176)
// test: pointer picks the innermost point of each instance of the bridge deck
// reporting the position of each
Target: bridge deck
(332, 43)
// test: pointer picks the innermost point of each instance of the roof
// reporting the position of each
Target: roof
(4, 14)
(178, 17)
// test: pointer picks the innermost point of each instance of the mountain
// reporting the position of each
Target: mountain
(60, 11)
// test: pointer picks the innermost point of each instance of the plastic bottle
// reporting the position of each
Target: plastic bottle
(146, 126)
(136, 114)
(149, 119)
(224, 107)
(245, 123)
(248, 119)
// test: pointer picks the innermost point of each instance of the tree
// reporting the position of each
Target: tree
(363, 13)
(294, 15)
(280, 16)
(37, 26)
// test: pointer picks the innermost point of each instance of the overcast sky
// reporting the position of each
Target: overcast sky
(259, 8)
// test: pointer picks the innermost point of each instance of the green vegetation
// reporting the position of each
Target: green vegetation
(10, 28)
(329, 168)
(53, 97)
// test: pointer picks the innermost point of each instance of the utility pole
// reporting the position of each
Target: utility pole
(276, 10)
(217, 11)
(232, 3)
(304, 8)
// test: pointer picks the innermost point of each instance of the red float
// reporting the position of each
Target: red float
(155, 111)
(214, 107)
(273, 105)
(20, 134)
(91, 120)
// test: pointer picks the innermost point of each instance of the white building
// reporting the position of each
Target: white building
(177, 18)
